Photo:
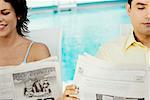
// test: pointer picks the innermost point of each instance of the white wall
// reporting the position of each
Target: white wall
(41, 3)
(90, 1)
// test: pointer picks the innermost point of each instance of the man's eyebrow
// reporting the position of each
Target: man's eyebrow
(139, 3)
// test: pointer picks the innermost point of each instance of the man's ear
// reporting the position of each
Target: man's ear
(128, 9)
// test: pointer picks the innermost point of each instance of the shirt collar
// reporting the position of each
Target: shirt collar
(131, 41)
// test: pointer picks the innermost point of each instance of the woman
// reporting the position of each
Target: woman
(15, 49)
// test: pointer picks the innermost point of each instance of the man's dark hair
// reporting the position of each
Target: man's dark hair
(21, 10)
(129, 2)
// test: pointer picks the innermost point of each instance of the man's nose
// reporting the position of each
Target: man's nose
(148, 13)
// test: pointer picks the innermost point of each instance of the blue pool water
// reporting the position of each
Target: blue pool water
(84, 29)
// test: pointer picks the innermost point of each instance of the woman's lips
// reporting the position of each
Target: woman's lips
(2, 26)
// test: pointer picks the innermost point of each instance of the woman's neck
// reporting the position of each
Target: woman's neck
(9, 40)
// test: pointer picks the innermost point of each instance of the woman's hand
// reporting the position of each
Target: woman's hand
(71, 93)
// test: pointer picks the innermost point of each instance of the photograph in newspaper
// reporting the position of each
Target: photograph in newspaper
(109, 97)
(39, 84)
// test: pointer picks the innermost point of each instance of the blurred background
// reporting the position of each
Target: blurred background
(84, 26)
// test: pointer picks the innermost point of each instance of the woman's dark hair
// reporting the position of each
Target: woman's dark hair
(21, 10)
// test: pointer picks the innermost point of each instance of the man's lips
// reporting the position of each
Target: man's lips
(146, 24)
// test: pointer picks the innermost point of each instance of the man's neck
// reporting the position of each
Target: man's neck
(144, 39)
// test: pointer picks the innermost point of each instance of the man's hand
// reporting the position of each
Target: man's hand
(71, 93)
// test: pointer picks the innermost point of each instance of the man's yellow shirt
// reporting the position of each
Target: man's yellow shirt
(125, 50)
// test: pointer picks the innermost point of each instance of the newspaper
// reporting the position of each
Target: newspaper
(100, 80)
(40, 80)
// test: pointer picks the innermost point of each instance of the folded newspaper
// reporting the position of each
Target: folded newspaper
(40, 80)
(100, 80)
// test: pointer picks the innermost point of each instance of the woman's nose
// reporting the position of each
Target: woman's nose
(1, 19)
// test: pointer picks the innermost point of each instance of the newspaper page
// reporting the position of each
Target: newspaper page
(100, 80)
(40, 80)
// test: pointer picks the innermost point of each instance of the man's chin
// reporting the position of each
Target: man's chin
(145, 30)
(147, 33)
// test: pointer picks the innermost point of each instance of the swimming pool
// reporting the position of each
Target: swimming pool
(84, 30)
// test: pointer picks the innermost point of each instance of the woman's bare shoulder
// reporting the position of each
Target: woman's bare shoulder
(38, 51)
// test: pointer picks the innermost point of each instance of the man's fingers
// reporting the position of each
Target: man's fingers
(71, 87)
(71, 92)
(71, 98)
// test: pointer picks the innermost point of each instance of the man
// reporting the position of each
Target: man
(134, 49)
